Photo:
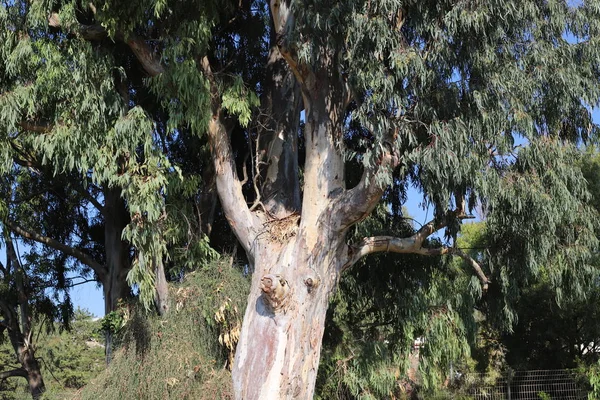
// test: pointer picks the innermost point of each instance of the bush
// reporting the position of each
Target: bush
(185, 354)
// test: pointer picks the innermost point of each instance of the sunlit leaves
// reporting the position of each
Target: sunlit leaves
(239, 101)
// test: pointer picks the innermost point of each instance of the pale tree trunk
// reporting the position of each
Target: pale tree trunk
(298, 251)
(279, 349)
(297, 260)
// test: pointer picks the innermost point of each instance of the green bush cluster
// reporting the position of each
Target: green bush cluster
(178, 356)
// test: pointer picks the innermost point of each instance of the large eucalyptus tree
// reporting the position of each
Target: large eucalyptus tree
(472, 102)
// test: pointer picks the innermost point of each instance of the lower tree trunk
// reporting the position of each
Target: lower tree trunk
(118, 264)
(278, 353)
(34, 375)
(26, 357)
(162, 290)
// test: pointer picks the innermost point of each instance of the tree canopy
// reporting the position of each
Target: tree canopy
(305, 118)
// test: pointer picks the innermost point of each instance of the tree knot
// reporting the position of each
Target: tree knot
(275, 290)
(312, 283)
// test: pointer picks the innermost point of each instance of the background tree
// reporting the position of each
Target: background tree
(69, 358)
(23, 305)
(559, 329)
(437, 95)
(71, 197)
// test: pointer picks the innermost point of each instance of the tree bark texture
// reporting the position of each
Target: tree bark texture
(279, 349)
(297, 260)
(116, 250)
(34, 374)
(295, 232)
(20, 341)
(19, 324)
(161, 300)
(294, 240)
(114, 282)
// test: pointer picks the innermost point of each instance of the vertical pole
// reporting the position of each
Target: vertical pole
(508, 382)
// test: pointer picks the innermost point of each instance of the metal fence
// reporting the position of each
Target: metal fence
(523, 385)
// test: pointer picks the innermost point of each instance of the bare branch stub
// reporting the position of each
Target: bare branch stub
(275, 290)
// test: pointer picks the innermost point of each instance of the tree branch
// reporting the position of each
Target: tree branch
(39, 127)
(84, 258)
(414, 244)
(91, 199)
(80, 283)
(283, 21)
(14, 372)
(475, 265)
(410, 245)
(138, 46)
(438, 223)
(228, 184)
(28, 197)
(357, 203)
(381, 244)
(145, 55)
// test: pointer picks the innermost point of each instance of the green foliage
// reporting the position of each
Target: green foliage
(544, 396)
(593, 375)
(111, 139)
(238, 101)
(179, 356)
(114, 320)
(383, 304)
(75, 356)
(550, 335)
(487, 101)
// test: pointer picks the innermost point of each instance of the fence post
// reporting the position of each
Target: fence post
(509, 376)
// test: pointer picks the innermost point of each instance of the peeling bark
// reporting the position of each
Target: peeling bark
(279, 349)
(296, 243)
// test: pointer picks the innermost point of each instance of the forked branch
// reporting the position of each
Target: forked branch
(414, 245)
(357, 203)
(475, 265)
(283, 21)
